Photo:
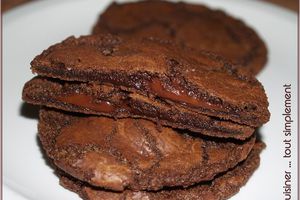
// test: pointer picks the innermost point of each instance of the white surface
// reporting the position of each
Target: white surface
(32, 28)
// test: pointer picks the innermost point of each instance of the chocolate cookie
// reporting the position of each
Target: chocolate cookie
(222, 187)
(195, 80)
(134, 154)
(196, 26)
(114, 102)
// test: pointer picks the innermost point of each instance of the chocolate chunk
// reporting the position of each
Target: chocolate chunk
(195, 80)
(132, 153)
(191, 25)
(222, 187)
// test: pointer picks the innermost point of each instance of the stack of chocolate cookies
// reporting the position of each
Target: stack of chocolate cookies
(142, 117)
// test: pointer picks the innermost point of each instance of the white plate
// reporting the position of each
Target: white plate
(29, 29)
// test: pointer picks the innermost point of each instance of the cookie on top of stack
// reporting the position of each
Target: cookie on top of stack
(138, 117)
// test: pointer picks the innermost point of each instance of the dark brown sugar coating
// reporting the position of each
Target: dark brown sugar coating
(134, 154)
(222, 187)
(113, 102)
(196, 80)
(196, 26)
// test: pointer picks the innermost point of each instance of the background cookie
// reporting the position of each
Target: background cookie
(196, 26)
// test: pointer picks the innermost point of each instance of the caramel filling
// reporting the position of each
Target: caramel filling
(87, 102)
(173, 92)
(177, 94)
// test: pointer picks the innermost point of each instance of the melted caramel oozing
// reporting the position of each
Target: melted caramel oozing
(87, 102)
(178, 94)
